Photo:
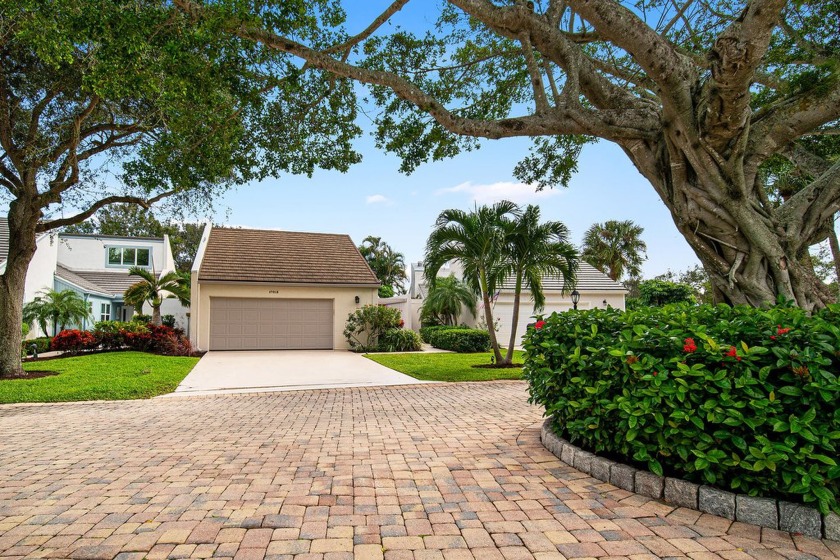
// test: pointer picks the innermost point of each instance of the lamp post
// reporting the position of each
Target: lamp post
(575, 298)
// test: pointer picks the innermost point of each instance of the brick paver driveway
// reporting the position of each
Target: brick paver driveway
(416, 472)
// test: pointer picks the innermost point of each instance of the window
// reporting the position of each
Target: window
(105, 312)
(129, 256)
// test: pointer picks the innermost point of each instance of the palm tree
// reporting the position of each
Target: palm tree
(535, 250)
(475, 239)
(615, 248)
(448, 297)
(57, 308)
(154, 290)
(387, 264)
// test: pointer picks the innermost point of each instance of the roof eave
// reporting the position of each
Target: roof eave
(289, 284)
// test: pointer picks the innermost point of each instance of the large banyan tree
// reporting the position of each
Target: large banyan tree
(716, 102)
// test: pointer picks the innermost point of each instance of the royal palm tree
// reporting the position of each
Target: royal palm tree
(57, 308)
(615, 248)
(387, 264)
(448, 298)
(476, 239)
(155, 289)
(535, 250)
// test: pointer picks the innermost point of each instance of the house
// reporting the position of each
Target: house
(596, 290)
(276, 290)
(96, 267)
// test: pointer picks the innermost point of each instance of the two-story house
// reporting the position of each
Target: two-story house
(96, 267)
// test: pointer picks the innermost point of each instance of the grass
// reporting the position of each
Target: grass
(448, 367)
(106, 376)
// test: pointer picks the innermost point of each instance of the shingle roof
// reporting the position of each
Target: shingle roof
(283, 257)
(106, 283)
(4, 239)
(589, 279)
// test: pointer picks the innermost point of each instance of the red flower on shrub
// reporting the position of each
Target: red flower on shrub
(733, 353)
(772, 337)
(801, 371)
(689, 346)
(632, 359)
(539, 324)
(655, 373)
(402, 323)
(780, 330)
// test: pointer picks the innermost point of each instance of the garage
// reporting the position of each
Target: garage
(271, 324)
(276, 290)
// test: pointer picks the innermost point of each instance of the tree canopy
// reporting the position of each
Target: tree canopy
(704, 97)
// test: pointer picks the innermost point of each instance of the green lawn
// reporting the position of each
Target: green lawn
(107, 376)
(448, 367)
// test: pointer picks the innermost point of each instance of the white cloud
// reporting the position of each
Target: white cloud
(377, 199)
(519, 193)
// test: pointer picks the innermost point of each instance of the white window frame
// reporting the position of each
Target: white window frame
(105, 312)
(124, 264)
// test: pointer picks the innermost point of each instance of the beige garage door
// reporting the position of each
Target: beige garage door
(271, 324)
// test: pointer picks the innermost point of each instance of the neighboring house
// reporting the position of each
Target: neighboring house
(596, 290)
(276, 290)
(96, 267)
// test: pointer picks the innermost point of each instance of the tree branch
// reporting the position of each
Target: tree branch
(82, 216)
(807, 211)
(369, 30)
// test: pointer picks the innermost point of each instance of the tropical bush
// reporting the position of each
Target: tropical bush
(460, 340)
(42, 344)
(74, 341)
(24, 330)
(113, 335)
(741, 398)
(426, 332)
(366, 324)
(141, 318)
(399, 340)
(168, 321)
(658, 293)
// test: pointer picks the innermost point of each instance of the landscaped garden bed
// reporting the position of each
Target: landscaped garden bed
(740, 399)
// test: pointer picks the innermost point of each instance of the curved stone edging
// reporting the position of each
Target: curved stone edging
(764, 512)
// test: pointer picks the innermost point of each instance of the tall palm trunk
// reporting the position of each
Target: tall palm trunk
(488, 316)
(515, 319)
(156, 315)
(835, 253)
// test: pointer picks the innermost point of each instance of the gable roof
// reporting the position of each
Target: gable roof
(110, 284)
(283, 257)
(4, 239)
(589, 279)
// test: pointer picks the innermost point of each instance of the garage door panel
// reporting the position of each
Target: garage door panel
(271, 324)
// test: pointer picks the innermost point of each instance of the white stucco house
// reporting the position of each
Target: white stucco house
(276, 290)
(596, 290)
(96, 267)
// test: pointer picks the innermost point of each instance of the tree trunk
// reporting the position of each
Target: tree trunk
(748, 249)
(488, 316)
(835, 255)
(156, 315)
(515, 319)
(22, 247)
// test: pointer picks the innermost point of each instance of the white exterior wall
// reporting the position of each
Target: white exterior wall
(40, 275)
(88, 253)
(343, 298)
(172, 306)
(554, 302)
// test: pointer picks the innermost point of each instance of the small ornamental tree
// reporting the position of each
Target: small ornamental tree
(367, 324)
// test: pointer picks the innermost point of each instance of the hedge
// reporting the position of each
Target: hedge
(460, 340)
(741, 398)
(426, 332)
(399, 340)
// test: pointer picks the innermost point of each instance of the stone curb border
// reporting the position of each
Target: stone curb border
(764, 512)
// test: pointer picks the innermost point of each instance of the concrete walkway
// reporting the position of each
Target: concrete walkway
(286, 370)
(450, 471)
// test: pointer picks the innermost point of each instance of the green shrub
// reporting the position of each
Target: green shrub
(42, 343)
(741, 398)
(168, 321)
(460, 340)
(366, 324)
(113, 335)
(399, 340)
(141, 318)
(426, 332)
(24, 329)
(661, 292)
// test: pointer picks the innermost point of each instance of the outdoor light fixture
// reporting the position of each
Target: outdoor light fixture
(605, 303)
(357, 299)
(575, 298)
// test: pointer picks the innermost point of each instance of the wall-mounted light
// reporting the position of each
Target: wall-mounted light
(575, 298)
(605, 303)
(358, 300)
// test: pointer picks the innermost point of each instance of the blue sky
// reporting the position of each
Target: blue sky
(373, 198)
